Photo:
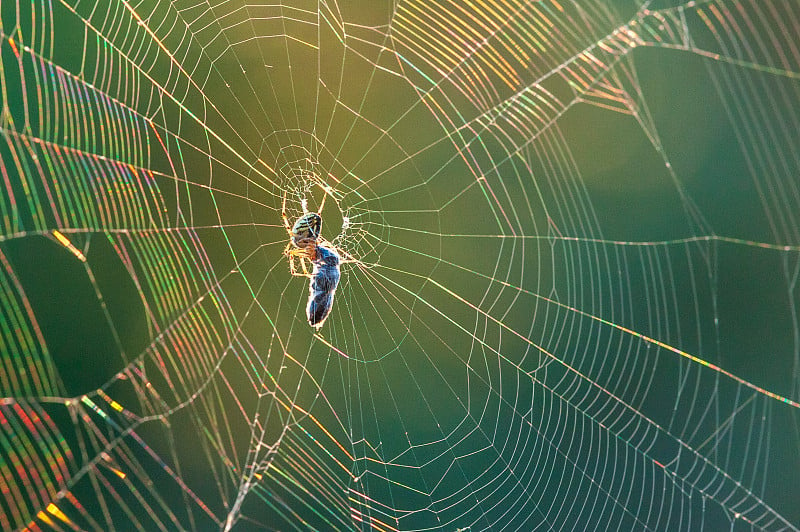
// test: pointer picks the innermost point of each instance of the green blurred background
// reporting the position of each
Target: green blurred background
(518, 239)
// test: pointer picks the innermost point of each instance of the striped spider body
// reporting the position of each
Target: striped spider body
(306, 244)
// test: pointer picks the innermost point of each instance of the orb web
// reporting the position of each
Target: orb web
(572, 297)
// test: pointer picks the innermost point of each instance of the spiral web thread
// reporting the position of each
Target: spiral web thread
(503, 353)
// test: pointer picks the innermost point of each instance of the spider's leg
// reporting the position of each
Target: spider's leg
(302, 255)
(293, 268)
(285, 218)
(303, 265)
(322, 205)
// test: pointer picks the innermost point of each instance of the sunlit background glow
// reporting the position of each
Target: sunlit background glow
(572, 243)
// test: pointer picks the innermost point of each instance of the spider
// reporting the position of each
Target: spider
(303, 236)
(306, 243)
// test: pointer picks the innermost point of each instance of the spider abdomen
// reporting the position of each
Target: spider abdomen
(306, 229)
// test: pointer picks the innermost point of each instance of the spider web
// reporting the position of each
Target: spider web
(573, 300)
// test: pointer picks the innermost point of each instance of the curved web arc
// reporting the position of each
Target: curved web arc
(577, 311)
(553, 375)
(162, 90)
(467, 487)
(129, 109)
(484, 121)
